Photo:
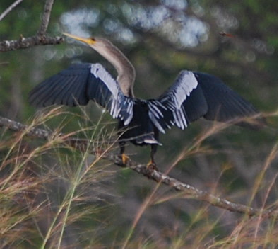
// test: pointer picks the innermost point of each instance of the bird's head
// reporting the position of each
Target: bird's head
(98, 44)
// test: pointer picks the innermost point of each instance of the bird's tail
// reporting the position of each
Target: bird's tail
(147, 138)
(138, 134)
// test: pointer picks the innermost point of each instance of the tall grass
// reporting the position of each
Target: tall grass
(53, 196)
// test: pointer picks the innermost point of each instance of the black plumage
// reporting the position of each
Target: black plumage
(192, 96)
(224, 104)
(79, 84)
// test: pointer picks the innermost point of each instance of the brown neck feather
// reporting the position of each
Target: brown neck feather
(125, 70)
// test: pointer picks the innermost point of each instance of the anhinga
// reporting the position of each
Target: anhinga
(192, 96)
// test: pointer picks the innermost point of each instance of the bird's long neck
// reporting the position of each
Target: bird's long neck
(125, 70)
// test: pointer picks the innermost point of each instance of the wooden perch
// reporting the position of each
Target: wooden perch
(187, 190)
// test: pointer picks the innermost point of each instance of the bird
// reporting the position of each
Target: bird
(192, 96)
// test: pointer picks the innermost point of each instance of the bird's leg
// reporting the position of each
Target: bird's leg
(123, 156)
(151, 164)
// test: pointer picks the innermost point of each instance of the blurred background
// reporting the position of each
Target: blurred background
(236, 41)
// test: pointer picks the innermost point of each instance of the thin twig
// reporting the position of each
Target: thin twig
(187, 190)
(45, 17)
(9, 9)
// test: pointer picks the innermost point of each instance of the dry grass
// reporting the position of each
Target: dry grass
(55, 197)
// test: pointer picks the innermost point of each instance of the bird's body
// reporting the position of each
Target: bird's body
(192, 96)
(140, 130)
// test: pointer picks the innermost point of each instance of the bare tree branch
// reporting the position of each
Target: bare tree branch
(186, 190)
(9, 9)
(16, 126)
(23, 43)
(45, 17)
(39, 39)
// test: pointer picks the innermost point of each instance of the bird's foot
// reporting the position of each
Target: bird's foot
(151, 165)
(123, 160)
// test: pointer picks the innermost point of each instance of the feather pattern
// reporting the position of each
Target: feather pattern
(80, 83)
(192, 96)
(224, 104)
(168, 109)
(197, 95)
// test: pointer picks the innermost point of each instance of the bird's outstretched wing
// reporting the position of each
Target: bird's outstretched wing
(196, 95)
(79, 84)
(224, 104)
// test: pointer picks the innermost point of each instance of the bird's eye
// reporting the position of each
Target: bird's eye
(92, 39)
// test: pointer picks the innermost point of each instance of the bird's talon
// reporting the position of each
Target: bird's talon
(151, 165)
(124, 159)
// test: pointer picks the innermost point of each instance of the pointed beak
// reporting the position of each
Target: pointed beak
(89, 41)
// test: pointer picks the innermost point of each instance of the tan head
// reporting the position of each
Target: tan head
(125, 70)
